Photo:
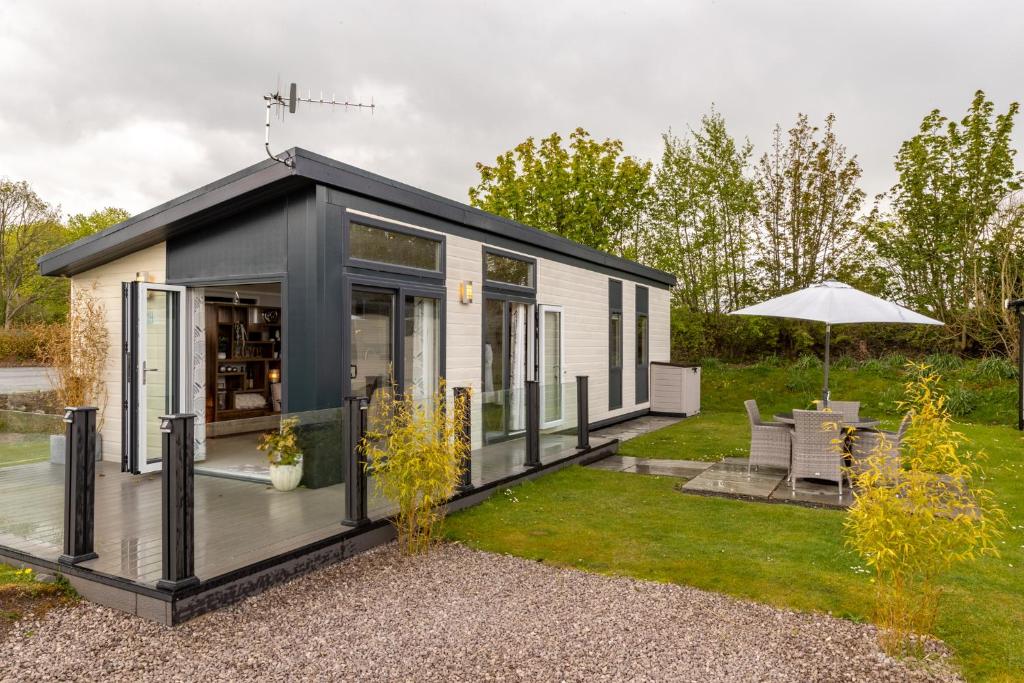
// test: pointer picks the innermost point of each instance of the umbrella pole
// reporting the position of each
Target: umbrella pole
(828, 342)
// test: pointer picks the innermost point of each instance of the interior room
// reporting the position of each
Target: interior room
(244, 331)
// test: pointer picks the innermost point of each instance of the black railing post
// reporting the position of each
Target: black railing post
(79, 485)
(465, 435)
(356, 408)
(532, 424)
(177, 515)
(582, 412)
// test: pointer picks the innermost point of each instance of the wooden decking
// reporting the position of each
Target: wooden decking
(237, 523)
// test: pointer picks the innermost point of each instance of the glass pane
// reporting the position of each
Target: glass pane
(615, 341)
(372, 334)
(386, 246)
(494, 367)
(509, 270)
(160, 368)
(641, 340)
(422, 346)
(551, 372)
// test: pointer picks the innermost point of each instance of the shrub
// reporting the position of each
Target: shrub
(995, 367)
(807, 361)
(942, 363)
(912, 524)
(960, 400)
(76, 351)
(20, 344)
(416, 456)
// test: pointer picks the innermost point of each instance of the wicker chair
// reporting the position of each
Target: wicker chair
(850, 410)
(814, 453)
(769, 441)
(864, 443)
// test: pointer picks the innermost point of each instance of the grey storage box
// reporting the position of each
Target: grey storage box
(675, 389)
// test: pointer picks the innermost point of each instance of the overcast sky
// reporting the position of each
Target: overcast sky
(130, 103)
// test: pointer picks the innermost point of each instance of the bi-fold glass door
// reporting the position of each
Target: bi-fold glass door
(153, 369)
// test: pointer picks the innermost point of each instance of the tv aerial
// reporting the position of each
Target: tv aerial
(290, 102)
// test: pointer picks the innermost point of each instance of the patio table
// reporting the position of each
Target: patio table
(862, 423)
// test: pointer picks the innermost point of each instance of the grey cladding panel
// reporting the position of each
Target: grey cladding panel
(250, 243)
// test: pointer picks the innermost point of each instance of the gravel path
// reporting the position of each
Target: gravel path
(458, 615)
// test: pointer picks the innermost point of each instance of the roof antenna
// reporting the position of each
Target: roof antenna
(290, 103)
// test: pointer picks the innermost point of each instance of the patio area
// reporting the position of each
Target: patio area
(237, 523)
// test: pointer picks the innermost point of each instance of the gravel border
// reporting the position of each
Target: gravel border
(461, 615)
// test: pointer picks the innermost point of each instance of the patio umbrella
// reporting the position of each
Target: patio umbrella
(835, 303)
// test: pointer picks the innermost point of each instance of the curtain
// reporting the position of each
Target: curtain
(423, 379)
(518, 339)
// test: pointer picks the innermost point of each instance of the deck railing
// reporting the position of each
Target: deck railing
(551, 422)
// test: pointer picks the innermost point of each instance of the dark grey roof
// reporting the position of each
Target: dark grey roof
(268, 178)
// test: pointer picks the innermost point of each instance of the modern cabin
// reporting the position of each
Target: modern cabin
(284, 288)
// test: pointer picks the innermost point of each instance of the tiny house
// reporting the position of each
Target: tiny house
(301, 290)
(282, 289)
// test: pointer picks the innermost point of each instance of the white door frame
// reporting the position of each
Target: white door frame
(541, 337)
(179, 400)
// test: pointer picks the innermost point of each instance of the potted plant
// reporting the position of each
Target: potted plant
(282, 449)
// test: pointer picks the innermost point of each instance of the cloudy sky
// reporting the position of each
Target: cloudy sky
(129, 103)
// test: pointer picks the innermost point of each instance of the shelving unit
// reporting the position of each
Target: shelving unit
(249, 336)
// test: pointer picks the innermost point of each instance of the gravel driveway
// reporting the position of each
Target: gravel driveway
(458, 615)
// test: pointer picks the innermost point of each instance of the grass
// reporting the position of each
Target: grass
(22, 596)
(19, 449)
(635, 525)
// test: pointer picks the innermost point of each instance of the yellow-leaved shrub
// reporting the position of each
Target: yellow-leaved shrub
(912, 522)
(416, 458)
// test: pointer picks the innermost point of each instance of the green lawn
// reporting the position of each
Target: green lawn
(636, 525)
(19, 449)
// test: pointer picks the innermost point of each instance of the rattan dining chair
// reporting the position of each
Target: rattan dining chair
(850, 410)
(815, 453)
(864, 443)
(769, 441)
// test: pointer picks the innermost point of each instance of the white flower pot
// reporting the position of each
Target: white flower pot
(285, 477)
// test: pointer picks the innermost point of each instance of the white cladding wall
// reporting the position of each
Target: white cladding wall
(583, 296)
(105, 284)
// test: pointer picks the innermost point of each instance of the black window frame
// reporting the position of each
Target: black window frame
(615, 372)
(358, 265)
(507, 287)
(642, 311)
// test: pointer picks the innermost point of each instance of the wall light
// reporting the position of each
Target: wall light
(466, 292)
(274, 375)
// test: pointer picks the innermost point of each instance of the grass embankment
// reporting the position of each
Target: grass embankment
(792, 557)
(22, 596)
(980, 391)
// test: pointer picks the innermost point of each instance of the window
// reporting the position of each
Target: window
(508, 270)
(398, 248)
(614, 344)
(643, 346)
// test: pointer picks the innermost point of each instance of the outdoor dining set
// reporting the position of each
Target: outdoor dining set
(825, 443)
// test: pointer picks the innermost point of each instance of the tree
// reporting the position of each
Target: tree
(945, 237)
(703, 216)
(82, 225)
(29, 227)
(809, 202)
(588, 192)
